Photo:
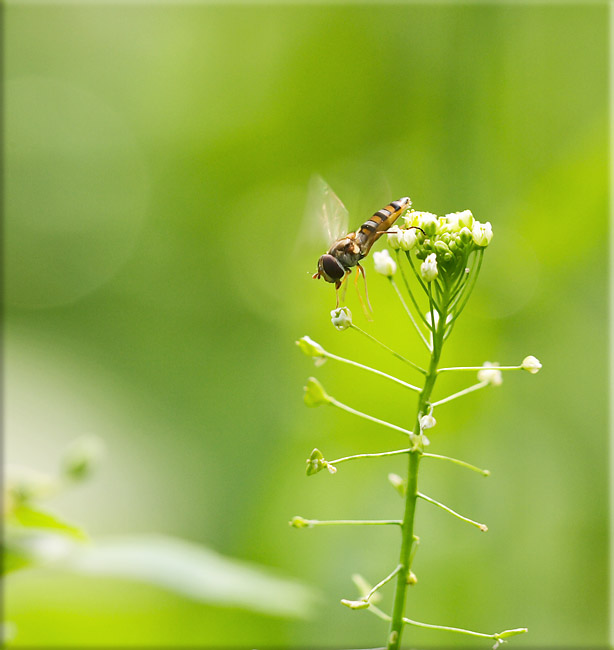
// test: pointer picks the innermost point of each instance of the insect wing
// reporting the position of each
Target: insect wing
(324, 205)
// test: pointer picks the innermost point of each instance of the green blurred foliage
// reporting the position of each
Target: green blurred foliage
(157, 274)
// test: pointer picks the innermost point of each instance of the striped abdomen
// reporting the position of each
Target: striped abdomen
(380, 222)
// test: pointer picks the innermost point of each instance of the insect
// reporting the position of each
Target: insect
(348, 250)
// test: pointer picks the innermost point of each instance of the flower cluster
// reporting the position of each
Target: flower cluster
(442, 243)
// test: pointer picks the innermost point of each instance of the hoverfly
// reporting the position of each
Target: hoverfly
(347, 250)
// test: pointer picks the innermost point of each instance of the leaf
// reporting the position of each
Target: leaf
(29, 517)
(196, 572)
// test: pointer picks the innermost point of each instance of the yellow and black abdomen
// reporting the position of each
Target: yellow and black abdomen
(380, 222)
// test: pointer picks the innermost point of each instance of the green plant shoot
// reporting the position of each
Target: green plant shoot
(439, 260)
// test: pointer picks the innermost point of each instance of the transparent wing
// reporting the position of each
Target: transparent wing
(325, 207)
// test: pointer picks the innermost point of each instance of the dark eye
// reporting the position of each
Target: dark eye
(332, 268)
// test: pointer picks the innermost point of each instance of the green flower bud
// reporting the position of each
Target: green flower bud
(316, 463)
(312, 349)
(466, 235)
(531, 364)
(82, 457)
(315, 393)
(384, 264)
(441, 248)
(341, 318)
(399, 484)
(300, 522)
(412, 579)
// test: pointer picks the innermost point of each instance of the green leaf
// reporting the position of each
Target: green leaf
(196, 572)
(28, 516)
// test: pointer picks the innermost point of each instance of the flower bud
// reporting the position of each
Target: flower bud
(82, 457)
(466, 236)
(315, 393)
(408, 239)
(315, 462)
(490, 374)
(410, 218)
(384, 264)
(428, 268)
(531, 364)
(395, 234)
(427, 422)
(465, 219)
(428, 222)
(300, 522)
(399, 484)
(312, 349)
(482, 233)
(341, 318)
(452, 222)
(412, 579)
(441, 248)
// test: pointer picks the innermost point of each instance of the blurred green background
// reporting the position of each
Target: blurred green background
(157, 274)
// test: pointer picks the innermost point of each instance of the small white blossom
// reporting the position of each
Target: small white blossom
(408, 239)
(465, 219)
(428, 268)
(482, 233)
(384, 264)
(531, 364)
(427, 422)
(341, 318)
(449, 223)
(395, 235)
(490, 374)
(428, 222)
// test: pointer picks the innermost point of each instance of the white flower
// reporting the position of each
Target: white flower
(428, 222)
(427, 422)
(531, 364)
(408, 239)
(428, 268)
(465, 219)
(384, 264)
(341, 318)
(482, 233)
(395, 235)
(490, 374)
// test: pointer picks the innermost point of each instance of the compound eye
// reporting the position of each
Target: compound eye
(332, 268)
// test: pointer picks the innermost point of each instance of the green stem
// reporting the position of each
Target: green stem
(376, 455)
(466, 391)
(330, 355)
(407, 541)
(480, 368)
(383, 345)
(456, 461)
(349, 409)
(408, 311)
(477, 524)
(353, 522)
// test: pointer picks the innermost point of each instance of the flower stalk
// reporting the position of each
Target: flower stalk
(444, 255)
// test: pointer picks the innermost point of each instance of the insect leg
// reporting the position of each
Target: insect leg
(359, 269)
